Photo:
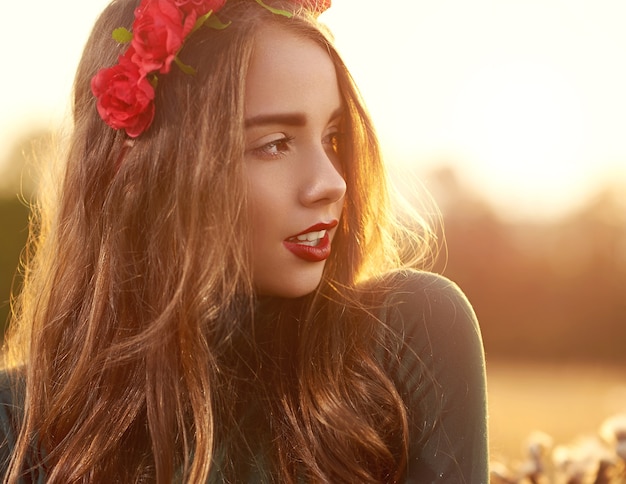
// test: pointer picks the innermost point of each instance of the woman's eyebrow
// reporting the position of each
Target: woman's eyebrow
(290, 119)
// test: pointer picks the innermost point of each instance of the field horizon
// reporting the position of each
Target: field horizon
(567, 401)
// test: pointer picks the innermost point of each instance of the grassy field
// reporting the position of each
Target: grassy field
(564, 401)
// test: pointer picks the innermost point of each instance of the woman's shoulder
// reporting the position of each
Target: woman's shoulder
(436, 332)
(430, 312)
(414, 300)
(411, 281)
(438, 365)
(433, 323)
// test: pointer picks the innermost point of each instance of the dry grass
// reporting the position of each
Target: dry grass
(568, 403)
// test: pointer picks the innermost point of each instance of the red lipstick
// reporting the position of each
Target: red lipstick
(311, 253)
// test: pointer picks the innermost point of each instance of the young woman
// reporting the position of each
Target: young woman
(219, 291)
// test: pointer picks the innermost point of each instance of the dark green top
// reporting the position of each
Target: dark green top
(440, 375)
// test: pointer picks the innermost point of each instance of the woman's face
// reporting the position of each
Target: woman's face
(293, 113)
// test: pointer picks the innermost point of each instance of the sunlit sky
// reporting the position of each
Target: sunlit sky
(525, 98)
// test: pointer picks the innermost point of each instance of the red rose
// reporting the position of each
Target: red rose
(199, 7)
(125, 97)
(158, 34)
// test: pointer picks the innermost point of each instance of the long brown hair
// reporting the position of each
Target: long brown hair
(136, 330)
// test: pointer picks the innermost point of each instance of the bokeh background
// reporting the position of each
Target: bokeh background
(512, 113)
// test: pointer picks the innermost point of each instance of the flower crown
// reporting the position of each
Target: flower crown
(125, 92)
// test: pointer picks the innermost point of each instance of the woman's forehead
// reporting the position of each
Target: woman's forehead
(290, 73)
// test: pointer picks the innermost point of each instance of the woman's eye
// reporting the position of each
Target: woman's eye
(334, 141)
(274, 148)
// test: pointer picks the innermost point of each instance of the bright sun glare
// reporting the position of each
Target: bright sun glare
(524, 99)
(523, 124)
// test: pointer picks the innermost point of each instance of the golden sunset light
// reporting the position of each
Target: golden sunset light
(524, 99)
(509, 114)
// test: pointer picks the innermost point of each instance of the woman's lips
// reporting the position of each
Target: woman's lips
(312, 244)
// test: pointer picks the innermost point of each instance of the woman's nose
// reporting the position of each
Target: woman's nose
(323, 182)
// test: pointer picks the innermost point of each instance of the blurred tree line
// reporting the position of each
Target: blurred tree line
(18, 182)
(14, 219)
(17, 186)
(541, 291)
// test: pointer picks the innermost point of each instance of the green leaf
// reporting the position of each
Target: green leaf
(276, 11)
(122, 35)
(154, 81)
(184, 67)
(214, 22)
(200, 22)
